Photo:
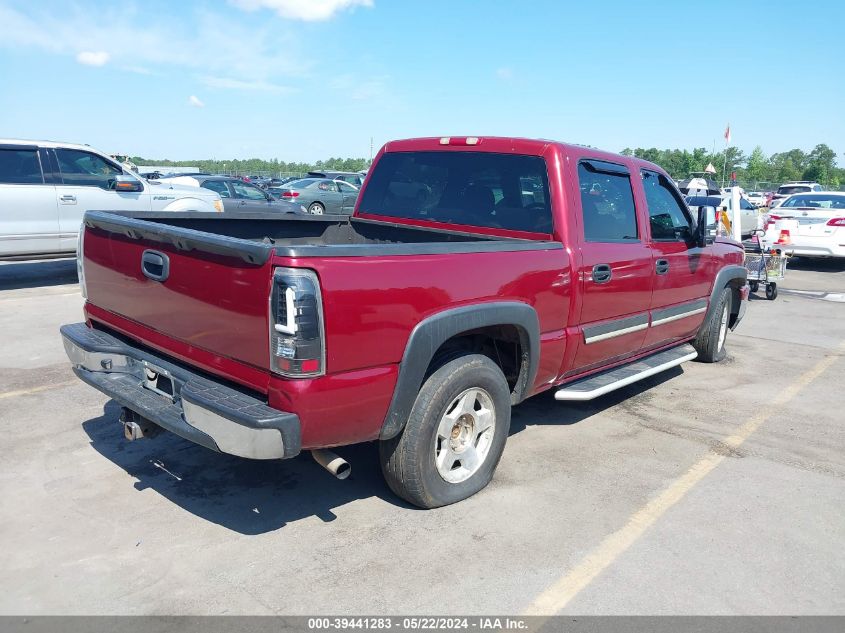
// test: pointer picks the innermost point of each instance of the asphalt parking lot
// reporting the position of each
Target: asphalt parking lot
(711, 489)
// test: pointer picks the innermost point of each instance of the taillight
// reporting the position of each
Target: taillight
(297, 348)
(836, 222)
(290, 194)
(771, 220)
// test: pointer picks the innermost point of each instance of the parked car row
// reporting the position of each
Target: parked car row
(320, 195)
(238, 195)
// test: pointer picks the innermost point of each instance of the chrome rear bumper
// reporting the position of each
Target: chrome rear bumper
(180, 399)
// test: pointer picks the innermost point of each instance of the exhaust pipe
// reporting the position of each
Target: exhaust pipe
(332, 462)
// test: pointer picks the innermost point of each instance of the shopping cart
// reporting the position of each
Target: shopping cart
(765, 265)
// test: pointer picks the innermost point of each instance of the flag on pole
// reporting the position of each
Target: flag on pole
(728, 134)
(709, 169)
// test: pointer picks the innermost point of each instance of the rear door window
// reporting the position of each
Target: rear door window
(484, 189)
(607, 202)
(20, 167)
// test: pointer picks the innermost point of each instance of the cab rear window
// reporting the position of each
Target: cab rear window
(481, 189)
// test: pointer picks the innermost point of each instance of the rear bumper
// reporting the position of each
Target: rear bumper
(179, 399)
(805, 248)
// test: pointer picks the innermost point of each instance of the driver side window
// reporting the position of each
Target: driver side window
(85, 169)
(668, 216)
(246, 191)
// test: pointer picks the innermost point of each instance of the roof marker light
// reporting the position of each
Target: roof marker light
(472, 140)
(444, 140)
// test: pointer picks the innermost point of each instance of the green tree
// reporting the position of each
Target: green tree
(821, 163)
(757, 167)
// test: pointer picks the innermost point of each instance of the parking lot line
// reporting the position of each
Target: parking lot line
(26, 392)
(558, 595)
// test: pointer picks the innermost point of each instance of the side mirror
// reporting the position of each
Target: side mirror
(706, 219)
(127, 184)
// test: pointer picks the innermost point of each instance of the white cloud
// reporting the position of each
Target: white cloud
(307, 10)
(138, 70)
(239, 84)
(141, 42)
(93, 58)
(194, 101)
(505, 73)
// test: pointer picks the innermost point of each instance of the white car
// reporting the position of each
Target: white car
(757, 198)
(790, 188)
(821, 224)
(748, 214)
(46, 187)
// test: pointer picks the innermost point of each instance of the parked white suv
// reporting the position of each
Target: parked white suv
(46, 187)
(790, 188)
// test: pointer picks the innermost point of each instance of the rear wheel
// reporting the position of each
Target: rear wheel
(771, 291)
(710, 342)
(755, 285)
(454, 437)
(316, 208)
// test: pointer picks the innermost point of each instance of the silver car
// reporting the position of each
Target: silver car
(320, 195)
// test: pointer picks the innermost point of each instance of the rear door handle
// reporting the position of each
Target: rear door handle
(661, 266)
(68, 199)
(155, 265)
(602, 273)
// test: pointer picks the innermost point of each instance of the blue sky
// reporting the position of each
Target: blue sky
(309, 79)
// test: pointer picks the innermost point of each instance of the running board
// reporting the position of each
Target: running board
(605, 382)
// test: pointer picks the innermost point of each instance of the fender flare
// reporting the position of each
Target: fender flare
(734, 276)
(428, 335)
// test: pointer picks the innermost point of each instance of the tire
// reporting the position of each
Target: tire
(755, 285)
(316, 208)
(710, 341)
(448, 426)
(771, 291)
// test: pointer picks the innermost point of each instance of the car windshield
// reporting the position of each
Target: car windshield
(462, 187)
(815, 201)
(793, 189)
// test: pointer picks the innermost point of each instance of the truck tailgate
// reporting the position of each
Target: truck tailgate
(216, 302)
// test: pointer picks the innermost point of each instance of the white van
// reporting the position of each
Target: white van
(46, 187)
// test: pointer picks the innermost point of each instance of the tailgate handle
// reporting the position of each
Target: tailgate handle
(155, 265)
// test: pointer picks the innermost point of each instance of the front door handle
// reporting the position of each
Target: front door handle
(68, 199)
(661, 266)
(602, 273)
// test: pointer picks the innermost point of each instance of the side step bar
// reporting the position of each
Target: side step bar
(605, 382)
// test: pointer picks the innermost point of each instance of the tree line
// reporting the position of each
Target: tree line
(756, 170)
(258, 166)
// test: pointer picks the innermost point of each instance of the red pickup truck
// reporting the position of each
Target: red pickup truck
(473, 274)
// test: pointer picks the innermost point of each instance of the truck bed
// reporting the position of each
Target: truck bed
(254, 237)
